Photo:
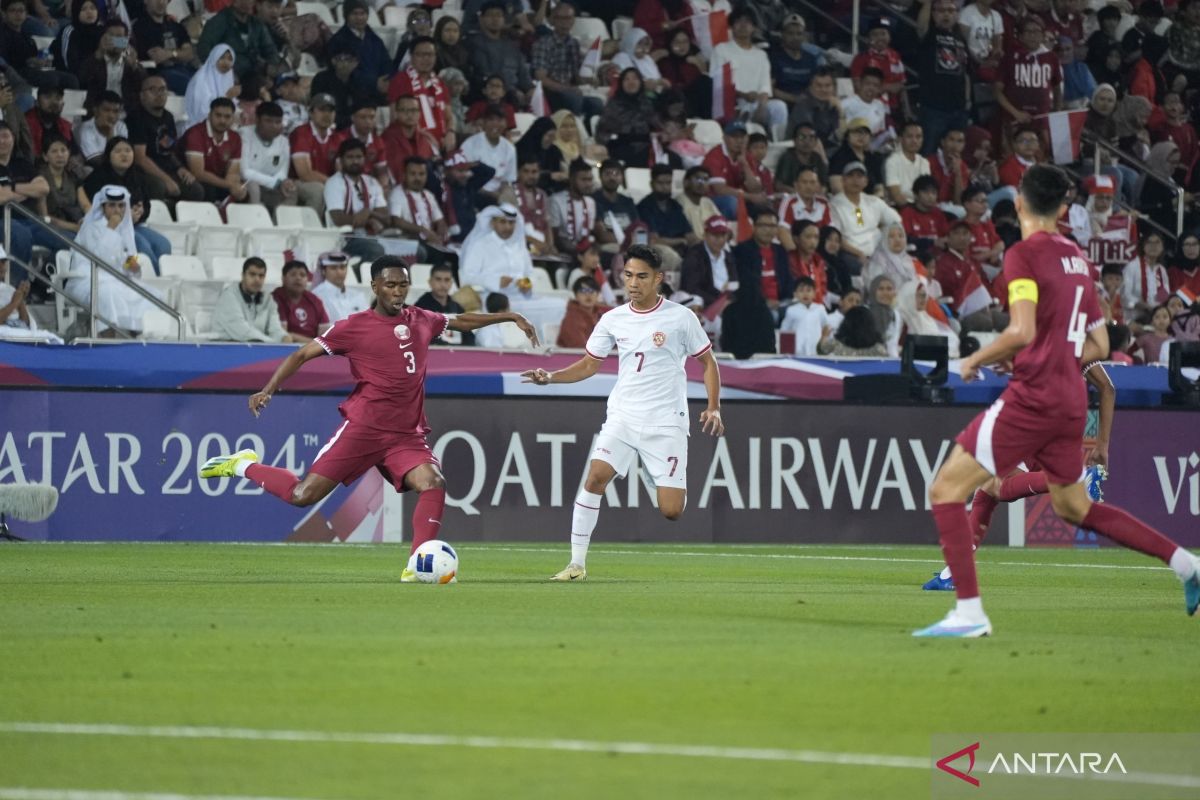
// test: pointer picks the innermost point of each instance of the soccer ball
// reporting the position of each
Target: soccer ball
(436, 562)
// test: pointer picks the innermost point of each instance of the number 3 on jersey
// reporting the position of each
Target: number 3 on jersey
(1077, 325)
(411, 358)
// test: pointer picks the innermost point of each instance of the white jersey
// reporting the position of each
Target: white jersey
(651, 385)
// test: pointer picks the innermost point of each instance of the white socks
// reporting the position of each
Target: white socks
(945, 574)
(1184, 564)
(239, 468)
(971, 610)
(583, 522)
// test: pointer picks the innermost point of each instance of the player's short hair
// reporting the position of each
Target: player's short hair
(974, 190)
(387, 262)
(1044, 188)
(349, 145)
(804, 280)
(269, 109)
(253, 261)
(646, 254)
(294, 264)
(912, 123)
(221, 102)
(801, 225)
(585, 282)
(925, 183)
(108, 96)
(694, 171)
(658, 170)
(496, 302)
(408, 162)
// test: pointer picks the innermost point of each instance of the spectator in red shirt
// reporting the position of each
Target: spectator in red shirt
(418, 79)
(301, 312)
(986, 246)
(313, 153)
(213, 151)
(495, 93)
(1173, 125)
(1030, 82)
(362, 127)
(882, 57)
(756, 153)
(964, 284)
(47, 116)
(1025, 144)
(657, 18)
(803, 205)
(404, 137)
(948, 167)
(727, 168)
(924, 223)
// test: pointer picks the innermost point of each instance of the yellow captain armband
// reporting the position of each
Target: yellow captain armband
(1022, 289)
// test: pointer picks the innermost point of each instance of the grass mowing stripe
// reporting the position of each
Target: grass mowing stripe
(801, 557)
(25, 793)
(485, 742)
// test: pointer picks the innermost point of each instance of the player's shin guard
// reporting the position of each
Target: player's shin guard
(1023, 484)
(583, 522)
(982, 508)
(955, 533)
(427, 516)
(276, 480)
(1129, 531)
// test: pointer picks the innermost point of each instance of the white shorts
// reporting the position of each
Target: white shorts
(662, 449)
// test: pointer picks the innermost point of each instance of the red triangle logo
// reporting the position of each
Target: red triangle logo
(944, 764)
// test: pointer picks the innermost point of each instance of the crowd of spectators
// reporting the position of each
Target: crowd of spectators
(852, 200)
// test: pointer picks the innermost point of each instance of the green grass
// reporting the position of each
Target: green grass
(740, 651)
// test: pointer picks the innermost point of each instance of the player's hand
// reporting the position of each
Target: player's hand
(711, 422)
(539, 376)
(969, 370)
(1004, 367)
(1098, 455)
(258, 402)
(527, 328)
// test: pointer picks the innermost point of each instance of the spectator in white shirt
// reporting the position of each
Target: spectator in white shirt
(290, 95)
(860, 217)
(415, 210)
(806, 319)
(266, 157)
(490, 147)
(105, 124)
(866, 104)
(355, 199)
(339, 301)
(751, 73)
(905, 165)
(983, 28)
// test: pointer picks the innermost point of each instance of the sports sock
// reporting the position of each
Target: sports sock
(1126, 530)
(427, 516)
(276, 480)
(945, 573)
(982, 508)
(955, 533)
(583, 522)
(1022, 484)
(1184, 564)
(971, 609)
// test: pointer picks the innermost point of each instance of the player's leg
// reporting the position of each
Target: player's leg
(427, 480)
(671, 502)
(663, 451)
(1017, 485)
(1072, 505)
(587, 511)
(957, 479)
(275, 480)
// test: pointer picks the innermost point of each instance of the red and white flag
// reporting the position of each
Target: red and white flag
(709, 30)
(591, 61)
(537, 101)
(724, 97)
(657, 154)
(1064, 129)
(972, 296)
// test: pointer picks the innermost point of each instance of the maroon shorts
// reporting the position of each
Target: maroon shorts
(354, 448)
(1006, 434)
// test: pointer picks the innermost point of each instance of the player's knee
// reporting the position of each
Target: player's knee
(430, 483)
(595, 484)
(304, 496)
(1070, 510)
(672, 512)
(943, 491)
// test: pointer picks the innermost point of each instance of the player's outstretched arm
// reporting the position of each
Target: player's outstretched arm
(1022, 327)
(710, 418)
(582, 369)
(475, 320)
(1098, 377)
(287, 369)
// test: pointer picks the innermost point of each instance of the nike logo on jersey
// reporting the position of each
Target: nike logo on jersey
(406, 346)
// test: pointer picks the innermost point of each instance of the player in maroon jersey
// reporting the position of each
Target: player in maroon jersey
(1056, 323)
(385, 425)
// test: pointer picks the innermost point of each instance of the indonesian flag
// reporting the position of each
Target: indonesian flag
(724, 96)
(709, 30)
(537, 102)
(657, 154)
(1064, 129)
(1184, 294)
(972, 296)
(591, 61)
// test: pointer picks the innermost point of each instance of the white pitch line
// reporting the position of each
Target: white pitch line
(25, 793)
(801, 557)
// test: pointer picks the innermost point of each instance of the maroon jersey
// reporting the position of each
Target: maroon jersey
(1046, 380)
(1029, 79)
(388, 356)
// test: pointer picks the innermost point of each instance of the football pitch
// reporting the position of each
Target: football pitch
(184, 671)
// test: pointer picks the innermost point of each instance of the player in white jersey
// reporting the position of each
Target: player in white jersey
(647, 410)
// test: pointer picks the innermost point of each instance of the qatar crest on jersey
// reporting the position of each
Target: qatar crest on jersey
(401, 332)
(659, 338)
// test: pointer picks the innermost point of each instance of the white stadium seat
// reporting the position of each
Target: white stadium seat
(637, 183)
(707, 132)
(514, 337)
(549, 333)
(178, 110)
(159, 325)
(216, 238)
(541, 281)
(524, 121)
(228, 268)
(620, 26)
(160, 211)
(260, 236)
(312, 237)
(73, 102)
(419, 275)
(185, 268)
(248, 216)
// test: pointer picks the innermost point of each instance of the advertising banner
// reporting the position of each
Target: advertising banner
(126, 466)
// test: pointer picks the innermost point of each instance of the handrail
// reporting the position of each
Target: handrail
(94, 317)
(1142, 167)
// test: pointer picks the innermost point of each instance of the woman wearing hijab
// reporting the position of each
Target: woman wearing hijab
(78, 41)
(451, 52)
(107, 232)
(687, 71)
(215, 79)
(1157, 200)
(495, 257)
(892, 259)
(837, 269)
(912, 303)
(628, 120)
(635, 54)
(1131, 115)
(538, 143)
(1184, 270)
(1101, 124)
(117, 169)
(881, 301)
(857, 336)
